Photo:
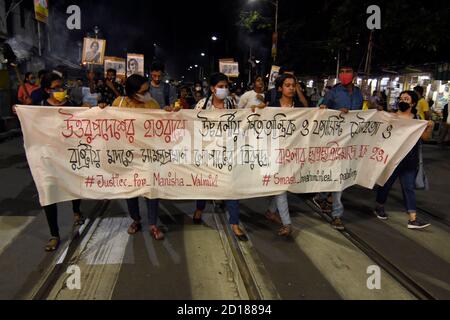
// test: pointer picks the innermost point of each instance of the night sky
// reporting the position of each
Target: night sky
(183, 29)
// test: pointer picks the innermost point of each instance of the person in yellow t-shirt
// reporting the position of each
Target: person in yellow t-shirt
(423, 108)
(137, 96)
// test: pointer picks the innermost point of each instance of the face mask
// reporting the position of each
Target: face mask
(60, 95)
(346, 78)
(144, 97)
(403, 106)
(221, 93)
(32, 81)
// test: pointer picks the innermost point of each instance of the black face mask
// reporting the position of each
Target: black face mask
(403, 106)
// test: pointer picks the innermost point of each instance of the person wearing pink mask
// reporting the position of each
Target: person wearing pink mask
(344, 97)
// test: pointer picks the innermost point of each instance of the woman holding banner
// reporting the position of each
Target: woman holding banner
(218, 99)
(407, 170)
(278, 211)
(56, 96)
(136, 88)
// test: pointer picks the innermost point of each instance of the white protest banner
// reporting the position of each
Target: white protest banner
(114, 153)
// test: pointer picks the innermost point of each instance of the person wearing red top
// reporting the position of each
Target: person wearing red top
(185, 98)
(24, 94)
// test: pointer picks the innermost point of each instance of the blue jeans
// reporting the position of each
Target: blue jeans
(408, 182)
(152, 210)
(232, 206)
(338, 207)
(281, 204)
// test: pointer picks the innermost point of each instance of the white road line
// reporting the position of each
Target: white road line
(108, 243)
(62, 257)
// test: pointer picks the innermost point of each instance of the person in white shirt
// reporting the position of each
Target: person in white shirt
(254, 98)
(219, 99)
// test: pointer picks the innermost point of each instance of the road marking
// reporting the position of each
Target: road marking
(108, 243)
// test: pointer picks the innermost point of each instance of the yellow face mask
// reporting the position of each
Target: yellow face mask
(60, 95)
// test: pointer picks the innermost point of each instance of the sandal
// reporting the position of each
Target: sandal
(135, 227)
(79, 220)
(239, 234)
(197, 218)
(156, 233)
(285, 231)
(52, 244)
(273, 217)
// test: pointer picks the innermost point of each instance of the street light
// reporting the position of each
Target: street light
(202, 54)
(214, 38)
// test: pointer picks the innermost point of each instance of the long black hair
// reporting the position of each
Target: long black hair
(414, 99)
(134, 84)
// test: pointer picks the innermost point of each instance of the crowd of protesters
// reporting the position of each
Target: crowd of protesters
(220, 93)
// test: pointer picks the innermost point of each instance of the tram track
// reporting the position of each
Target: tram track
(384, 263)
(426, 212)
(60, 265)
(254, 276)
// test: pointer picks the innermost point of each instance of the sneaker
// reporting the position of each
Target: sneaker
(322, 205)
(417, 224)
(337, 224)
(380, 213)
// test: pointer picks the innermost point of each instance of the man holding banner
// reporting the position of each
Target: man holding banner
(344, 97)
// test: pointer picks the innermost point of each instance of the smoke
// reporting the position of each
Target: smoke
(21, 47)
(59, 42)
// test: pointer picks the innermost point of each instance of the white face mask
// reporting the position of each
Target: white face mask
(198, 88)
(144, 97)
(221, 93)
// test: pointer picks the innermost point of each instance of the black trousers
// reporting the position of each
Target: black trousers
(51, 213)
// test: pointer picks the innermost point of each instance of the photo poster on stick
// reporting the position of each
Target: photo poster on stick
(118, 64)
(41, 10)
(229, 67)
(94, 51)
(273, 76)
(135, 64)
